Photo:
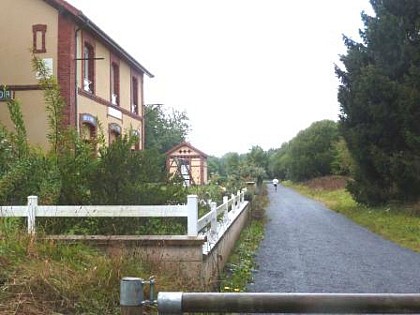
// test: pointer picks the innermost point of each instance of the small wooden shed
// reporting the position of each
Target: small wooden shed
(187, 162)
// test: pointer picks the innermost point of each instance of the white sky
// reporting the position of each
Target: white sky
(246, 72)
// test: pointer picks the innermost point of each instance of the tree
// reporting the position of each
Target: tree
(215, 167)
(164, 129)
(312, 152)
(343, 163)
(124, 176)
(258, 157)
(279, 162)
(378, 95)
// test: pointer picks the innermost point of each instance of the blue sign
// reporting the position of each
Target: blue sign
(5, 95)
(89, 119)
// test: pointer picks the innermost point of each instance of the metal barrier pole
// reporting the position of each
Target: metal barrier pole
(338, 303)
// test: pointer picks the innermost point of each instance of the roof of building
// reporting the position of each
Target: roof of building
(185, 143)
(81, 19)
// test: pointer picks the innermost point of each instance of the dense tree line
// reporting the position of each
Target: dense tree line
(312, 153)
(316, 151)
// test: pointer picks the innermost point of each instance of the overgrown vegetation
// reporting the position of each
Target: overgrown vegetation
(234, 170)
(164, 128)
(78, 172)
(46, 277)
(239, 269)
(40, 276)
(398, 223)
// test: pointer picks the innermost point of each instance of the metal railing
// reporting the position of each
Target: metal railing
(305, 303)
(132, 301)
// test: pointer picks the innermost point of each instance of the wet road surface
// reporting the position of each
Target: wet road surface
(311, 249)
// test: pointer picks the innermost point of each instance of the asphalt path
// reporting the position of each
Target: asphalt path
(308, 248)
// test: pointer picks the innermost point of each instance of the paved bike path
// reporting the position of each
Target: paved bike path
(309, 248)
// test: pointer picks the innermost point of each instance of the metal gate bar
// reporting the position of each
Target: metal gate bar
(179, 302)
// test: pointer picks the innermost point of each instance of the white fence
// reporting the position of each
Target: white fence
(207, 224)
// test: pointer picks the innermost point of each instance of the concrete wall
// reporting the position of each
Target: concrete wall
(216, 259)
(178, 254)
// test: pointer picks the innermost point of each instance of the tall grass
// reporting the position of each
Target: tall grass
(46, 277)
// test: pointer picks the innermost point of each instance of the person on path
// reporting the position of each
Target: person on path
(275, 183)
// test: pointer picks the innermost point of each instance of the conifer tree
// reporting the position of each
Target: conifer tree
(379, 99)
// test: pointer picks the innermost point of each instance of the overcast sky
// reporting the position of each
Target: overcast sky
(246, 72)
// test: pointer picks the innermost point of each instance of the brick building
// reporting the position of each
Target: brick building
(100, 82)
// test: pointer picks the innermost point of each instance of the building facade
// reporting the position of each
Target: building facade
(189, 163)
(102, 85)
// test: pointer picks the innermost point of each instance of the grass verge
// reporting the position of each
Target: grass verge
(397, 223)
(45, 277)
(239, 269)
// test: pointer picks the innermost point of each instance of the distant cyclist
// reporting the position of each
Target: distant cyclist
(275, 183)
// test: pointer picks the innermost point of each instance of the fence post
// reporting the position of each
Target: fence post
(32, 205)
(131, 296)
(232, 197)
(225, 207)
(237, 199)
(192, 220)
(213, 223)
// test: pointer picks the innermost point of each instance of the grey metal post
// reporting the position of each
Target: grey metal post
(131, 296)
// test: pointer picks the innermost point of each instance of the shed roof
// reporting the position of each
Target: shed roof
(183, 144)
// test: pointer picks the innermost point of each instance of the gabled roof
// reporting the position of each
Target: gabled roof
(186, 144)
(83, 20)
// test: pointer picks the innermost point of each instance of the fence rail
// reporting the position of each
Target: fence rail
(304, 303)
(189, 210)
